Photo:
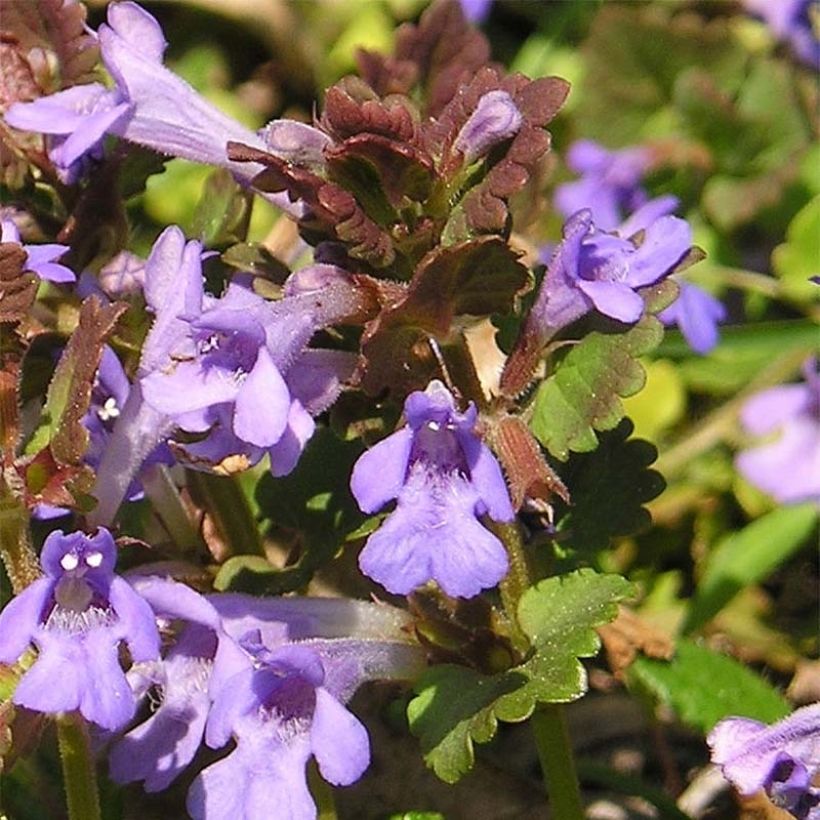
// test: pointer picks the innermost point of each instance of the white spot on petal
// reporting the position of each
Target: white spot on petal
(94, 559)
(69, 561)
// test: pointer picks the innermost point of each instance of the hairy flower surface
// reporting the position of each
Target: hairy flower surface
(149, 105)
(39, 258)
(77, 616)
(159, 749)
(443, 477)
(280, 714)
(781, 759)
(788, 467)
(237, 366)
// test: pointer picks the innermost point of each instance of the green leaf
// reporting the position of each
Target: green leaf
(609, 488)
(455, 706)
(583, 394)
(559, 616)
(452, 709)
(704, 687)
(312, 507)
(798, 258)
(748, 557)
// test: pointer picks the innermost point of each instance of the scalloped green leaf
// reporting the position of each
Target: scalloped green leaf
(704, 687)
(559, 616)
(456, 707)
(609, 489)
(584, 393)
(453, 708)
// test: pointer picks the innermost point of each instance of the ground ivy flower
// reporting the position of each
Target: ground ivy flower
(280, 714)
(158, 750)
(787, 468)
(592, 269)
(149, 105)
(697, 314)
(78, 616)
(443, 477)
(39, 258)
(476, 11)
(781, 759)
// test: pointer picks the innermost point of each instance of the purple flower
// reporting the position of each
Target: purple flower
(39, 258)
(149, 105)
(495, 119)
(609, 185)
(237, 366)
(444, 477)
(791, 21)
(781, 759)
(77, 616)
(591, 269)
(230, 651)
(697, 314)
(280, 714)
(787, 468)
(159, 749)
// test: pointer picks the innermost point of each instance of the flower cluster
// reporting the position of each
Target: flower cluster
(272, 676)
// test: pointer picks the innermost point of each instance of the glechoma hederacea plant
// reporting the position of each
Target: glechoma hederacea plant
(407, 394)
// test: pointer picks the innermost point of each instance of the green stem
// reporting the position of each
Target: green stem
(548, 721)
(516, 581)
(322, 794)
(79, 774)
(549, 725)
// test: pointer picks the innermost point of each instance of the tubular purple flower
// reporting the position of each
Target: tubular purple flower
(781, 759)
(39, 258)
(593, 269)
(495, 119)
(236, 367)
(476, 11)
(77, 616)
(149, 105)
(280, 714)
(296, 142)
(173, 280)
(444, 477)
(787, 468)
(159, 749)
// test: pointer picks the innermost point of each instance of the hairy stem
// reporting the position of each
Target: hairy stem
(18, 556)
(79, 775)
